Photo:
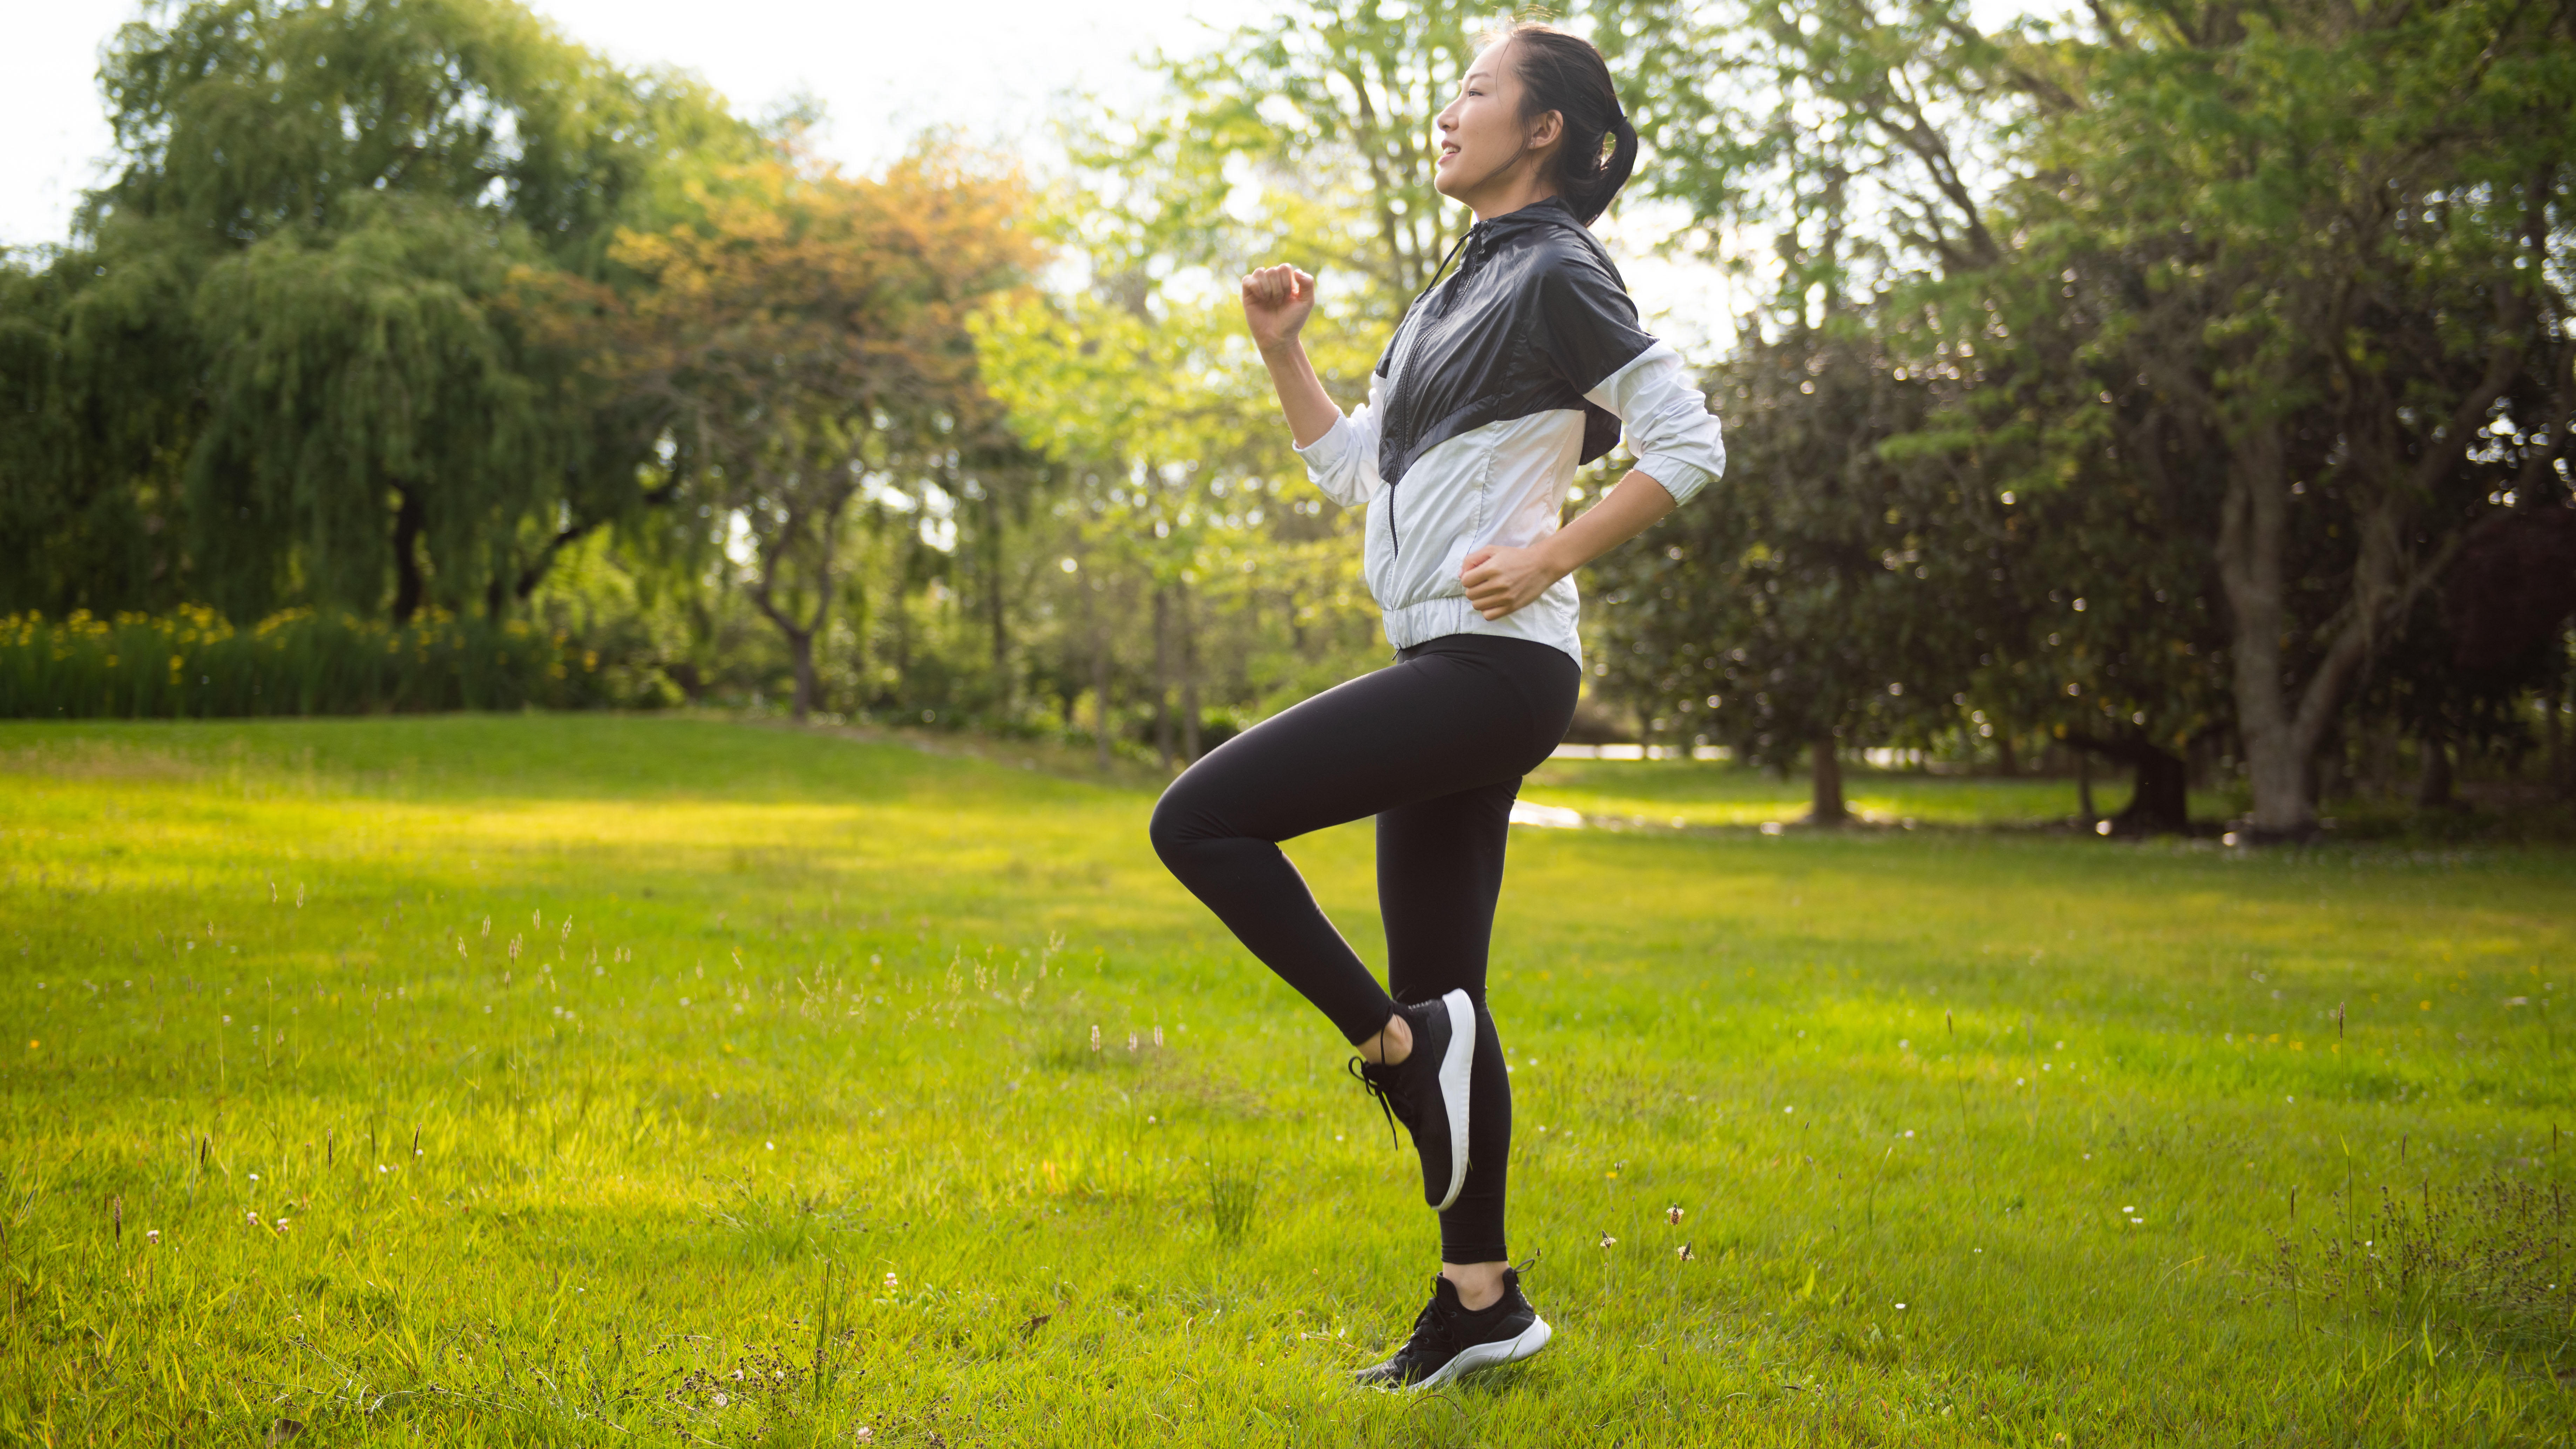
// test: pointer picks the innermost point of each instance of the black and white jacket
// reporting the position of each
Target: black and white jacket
(1501, 382)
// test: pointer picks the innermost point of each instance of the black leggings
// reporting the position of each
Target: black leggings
(1434, 746)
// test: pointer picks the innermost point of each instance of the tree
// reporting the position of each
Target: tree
(2309, 257)
(2276, 279)
(809, 336)
(1824, 593)
(287, 329)
(1788, 608)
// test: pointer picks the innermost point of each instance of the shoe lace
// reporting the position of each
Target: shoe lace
(1432, 1342)
(1377, 1089)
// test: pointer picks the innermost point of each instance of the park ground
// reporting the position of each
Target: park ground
(587, 1079)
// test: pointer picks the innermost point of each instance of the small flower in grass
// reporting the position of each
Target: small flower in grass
(152, 1236)
(1607, 1240)
(1673, 1215)
(720, 1399)
(280, 1225)
(866, 1435)
(1095, 1036)
(254, 1219)
(890, 1282)
(1684, 1253)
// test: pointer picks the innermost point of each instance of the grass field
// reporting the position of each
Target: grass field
(1693, 794)
(583, 1079)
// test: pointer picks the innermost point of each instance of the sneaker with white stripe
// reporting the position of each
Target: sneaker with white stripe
(1427, 1091)
(1451, 1341)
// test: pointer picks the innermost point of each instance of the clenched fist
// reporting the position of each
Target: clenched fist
(1275, 303)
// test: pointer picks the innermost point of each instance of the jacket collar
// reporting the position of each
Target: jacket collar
(1496, 233)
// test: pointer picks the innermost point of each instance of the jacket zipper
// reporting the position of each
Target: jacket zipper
(1404, 364)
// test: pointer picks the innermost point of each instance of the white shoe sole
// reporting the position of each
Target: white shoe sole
(1457, 1067)
(1489, 1355)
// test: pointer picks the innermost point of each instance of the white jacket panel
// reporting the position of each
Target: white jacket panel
(1504, 483)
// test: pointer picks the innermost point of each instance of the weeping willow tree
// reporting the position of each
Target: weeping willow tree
(287, 346)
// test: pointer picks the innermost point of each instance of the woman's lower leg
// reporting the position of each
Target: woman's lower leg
(1478, 1284)
(1390, 1046)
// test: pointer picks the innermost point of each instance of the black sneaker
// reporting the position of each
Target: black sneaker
(1449, 1342)
(1427, 1091)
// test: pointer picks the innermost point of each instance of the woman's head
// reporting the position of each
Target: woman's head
(1537, 111)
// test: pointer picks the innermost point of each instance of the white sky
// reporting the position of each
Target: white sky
(997, 70)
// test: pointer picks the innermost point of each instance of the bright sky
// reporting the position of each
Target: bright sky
(997, 70)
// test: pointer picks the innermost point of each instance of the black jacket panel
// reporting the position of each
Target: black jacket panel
(1534, 317)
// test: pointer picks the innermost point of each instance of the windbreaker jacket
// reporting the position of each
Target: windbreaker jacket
(1500, 382)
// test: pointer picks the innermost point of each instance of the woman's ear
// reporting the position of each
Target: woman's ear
(1545, 130)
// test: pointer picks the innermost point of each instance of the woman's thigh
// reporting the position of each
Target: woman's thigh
(1416, 730)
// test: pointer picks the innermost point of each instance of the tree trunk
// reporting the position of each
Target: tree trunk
(996, 604)
(2084, 812)
(800, 643)
(2161, 802)
(2382, 748)
(1827, 806)
(1100, 694)
(1189, 677)
(410, 521)
(2254, 524)
(1163, 675)
(2333, 772)
(2006, 763)
(902, 602)
(2433, 786)
(2555, 715)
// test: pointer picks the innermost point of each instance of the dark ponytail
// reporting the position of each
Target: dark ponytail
(1563, 73)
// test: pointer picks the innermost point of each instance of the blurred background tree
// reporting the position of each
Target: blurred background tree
(2181, 387)
(278, 360)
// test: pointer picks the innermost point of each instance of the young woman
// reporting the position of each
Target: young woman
(1500, 381)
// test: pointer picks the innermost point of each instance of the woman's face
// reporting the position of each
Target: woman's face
(1481, 133)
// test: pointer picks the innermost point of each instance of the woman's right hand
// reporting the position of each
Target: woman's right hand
(1275, 303)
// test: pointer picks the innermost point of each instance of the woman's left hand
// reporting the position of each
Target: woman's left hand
(1500, 580)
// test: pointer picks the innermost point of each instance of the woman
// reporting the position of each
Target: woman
(1500, 382)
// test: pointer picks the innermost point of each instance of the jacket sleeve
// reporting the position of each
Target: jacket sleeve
(1343, 462)
(1674, 436)
(1585, 325)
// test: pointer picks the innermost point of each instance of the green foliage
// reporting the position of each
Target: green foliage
(286, 337)
(776, 1059)
(1333, 99)
(1790, 605)
(194, 665)
(2251, 315)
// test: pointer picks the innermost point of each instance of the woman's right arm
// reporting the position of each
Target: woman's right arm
(1276, 301)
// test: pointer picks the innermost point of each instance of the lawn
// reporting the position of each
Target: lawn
(582, 1079)
(1692, 794)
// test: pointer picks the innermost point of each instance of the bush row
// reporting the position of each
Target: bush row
(195, 665)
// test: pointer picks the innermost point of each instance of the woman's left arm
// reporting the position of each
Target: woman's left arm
(1679, 448)
(1500, 580)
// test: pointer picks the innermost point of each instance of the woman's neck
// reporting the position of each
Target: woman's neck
(1518, 186)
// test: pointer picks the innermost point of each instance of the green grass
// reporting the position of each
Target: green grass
(1697, 794)
(791, 1077)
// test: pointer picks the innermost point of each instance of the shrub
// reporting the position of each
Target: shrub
(195, 665)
